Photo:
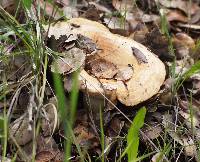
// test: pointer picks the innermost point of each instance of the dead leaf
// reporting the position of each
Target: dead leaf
(45, 156)
(183, 45)
(9, 6)
(101, 68)
(194, 86)
(166, 94)
(101, 7)
(190, 148)
(168, 123)
(62, 43)
(86, 44)
(23, 99)
(186, 39)
(114, 127)
(6, 3)
(158, 157)
(141, 58)
(73, 60)
(125, 73)
(91, 13)
(48, 9)
(148, 6)
(116, 23)
(133, 15)
(123, 5)
(70, 11)
(46, 149)
(181, 5)
(63, 2)
(46, 143)
(189, 26)
(50, 119)
(19, 66)
(140, 32)
(147, 18)
(158, 44)
(195, 17)
(58, 32)
(61, 66)
(68, 83)
(59, 157)
(174, 15)
(152, 131)
(182, 51)
(19, 129)
(85, 137)
(122, 32)
(191, 121)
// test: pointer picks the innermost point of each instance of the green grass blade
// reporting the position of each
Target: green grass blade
(193, 70)
(102, 136)
(67, 117)
(60, 95)
(14, 25)
(27, 3)
(133, 135)
(74, 97)
(72, 112)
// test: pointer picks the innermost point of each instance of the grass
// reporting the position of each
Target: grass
(33, 44)
(133, 136)
(102, 135)
(35, 49)
(4, 133)
(31, 34)
(67, 113)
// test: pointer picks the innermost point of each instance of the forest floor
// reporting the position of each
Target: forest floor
(85, 90)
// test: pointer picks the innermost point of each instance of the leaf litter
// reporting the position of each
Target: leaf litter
(75, 51)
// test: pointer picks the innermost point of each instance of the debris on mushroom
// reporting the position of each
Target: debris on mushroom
(122, 64)
(71, 61)
(101, 68)
(125, 73)
(141, 58)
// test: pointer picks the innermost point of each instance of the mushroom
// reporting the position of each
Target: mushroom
(136, 74)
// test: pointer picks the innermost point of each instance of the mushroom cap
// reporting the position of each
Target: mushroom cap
(148, 71)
